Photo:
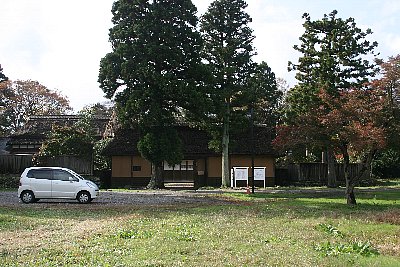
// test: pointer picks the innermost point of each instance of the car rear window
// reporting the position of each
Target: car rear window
(39, 174)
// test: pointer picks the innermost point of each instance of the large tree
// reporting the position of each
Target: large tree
(352, 124)
(390, 80)
(333, 60)
(387, 162)
(333, 57)
(228, 52)
(153, 73)
(22, 99)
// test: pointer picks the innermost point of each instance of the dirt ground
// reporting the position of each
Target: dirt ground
(134, 198)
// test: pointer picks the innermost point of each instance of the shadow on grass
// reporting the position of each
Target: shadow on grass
(305, 204)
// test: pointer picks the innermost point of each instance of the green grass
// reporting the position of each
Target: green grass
(285, 229)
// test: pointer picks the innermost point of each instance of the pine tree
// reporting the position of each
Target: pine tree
(333, 57)
(334, 62)
(153, 72)
(228, 52)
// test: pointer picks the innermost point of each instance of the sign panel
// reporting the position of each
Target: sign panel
(241, 174)
(259, 174)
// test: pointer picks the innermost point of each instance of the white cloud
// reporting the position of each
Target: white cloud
(60, 43)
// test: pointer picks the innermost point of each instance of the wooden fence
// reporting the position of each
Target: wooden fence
(79, 165)
(313, 173)
(15, 164)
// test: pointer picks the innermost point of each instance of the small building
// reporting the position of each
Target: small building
(201, 165)
(37, 128)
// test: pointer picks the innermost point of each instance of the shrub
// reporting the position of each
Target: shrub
(9, 181)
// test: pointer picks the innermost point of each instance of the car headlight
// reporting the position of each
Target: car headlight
(91, 185)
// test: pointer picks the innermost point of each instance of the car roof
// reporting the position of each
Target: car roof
(47, 168)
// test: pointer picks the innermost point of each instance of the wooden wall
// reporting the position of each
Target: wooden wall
(208, 170)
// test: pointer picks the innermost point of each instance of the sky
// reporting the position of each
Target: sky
(60, 43)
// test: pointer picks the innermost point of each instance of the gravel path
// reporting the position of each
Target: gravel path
(139, 198)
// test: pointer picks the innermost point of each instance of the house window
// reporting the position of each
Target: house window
(168, 167)
(180, 167)
(187, 165)
(136, 168)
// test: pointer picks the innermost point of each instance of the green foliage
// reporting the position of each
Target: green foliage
(236, 83)
(162, 144)
(228, 51)
(155, 59)
(67, 141)
(333, 58)
(101, 162)
(330, 229)
(9, 181)
(362, 248)
(79, 139)
(334, 51)
(133, 234)
(154, 72)
(386, 164)
(264, 95)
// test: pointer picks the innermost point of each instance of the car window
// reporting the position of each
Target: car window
(61, 175)
(39, 174)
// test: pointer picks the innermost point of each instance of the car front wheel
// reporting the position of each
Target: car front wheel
(84, 197)
(27, 197)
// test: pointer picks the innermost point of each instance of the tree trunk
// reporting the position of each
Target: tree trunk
(157, 179)
(332, 182)
(225, 155)
(225, 148)
(350, 196)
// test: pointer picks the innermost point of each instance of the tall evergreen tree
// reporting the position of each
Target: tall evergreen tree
(333, 61)
(264, 95)
(333, 57)
(228, 52)
(153, 72)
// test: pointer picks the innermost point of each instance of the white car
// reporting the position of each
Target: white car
(55, 182)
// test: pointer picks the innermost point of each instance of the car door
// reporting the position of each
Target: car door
(62, 186)
(40, 182)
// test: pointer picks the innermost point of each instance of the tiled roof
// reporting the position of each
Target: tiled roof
(195, 142)
(44, 124)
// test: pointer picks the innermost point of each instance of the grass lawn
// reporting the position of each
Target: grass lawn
(281, 229)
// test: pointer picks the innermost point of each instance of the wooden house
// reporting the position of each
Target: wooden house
(201, 165)
(37, 128)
